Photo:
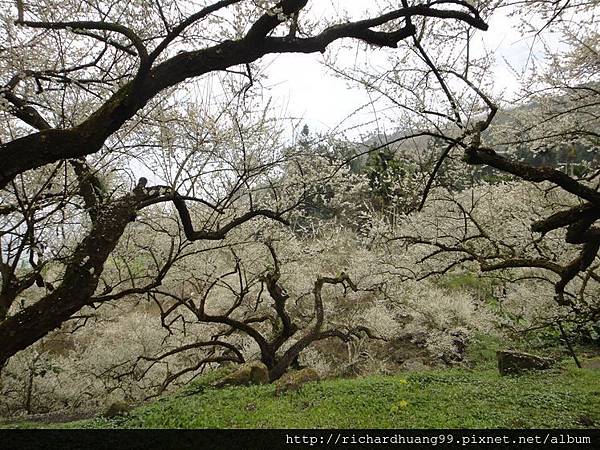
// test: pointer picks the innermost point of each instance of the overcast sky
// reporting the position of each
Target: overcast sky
(304, 88)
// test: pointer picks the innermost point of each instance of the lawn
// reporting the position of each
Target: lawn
(459, 398)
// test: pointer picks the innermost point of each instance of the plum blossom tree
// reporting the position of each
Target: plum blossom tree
(565, 114)
(452, 102)
(487, 230)
(256, 308)
(93, 91)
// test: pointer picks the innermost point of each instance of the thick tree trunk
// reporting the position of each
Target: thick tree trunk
(78, 285)
(47, 146)
(4, 305)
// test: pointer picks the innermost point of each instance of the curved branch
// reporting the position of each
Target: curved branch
(175, 32)
(567, 217)
(221, 233)
(47, 146)
(196, 345)
(269, 21)
(91, 25)
(280, 297)
(475, 156)
(24, 111)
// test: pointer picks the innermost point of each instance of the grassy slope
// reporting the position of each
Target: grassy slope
(441, 399)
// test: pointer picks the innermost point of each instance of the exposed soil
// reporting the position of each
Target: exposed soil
(591, 363)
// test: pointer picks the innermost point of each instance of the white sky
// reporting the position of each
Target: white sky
(306, 89)
(301, 87)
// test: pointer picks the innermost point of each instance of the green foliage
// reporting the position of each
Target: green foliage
(481, 287)
(481, 351)
(543, 338)
(385, 173)
(436, 399)
(550, 337)
(492, 177)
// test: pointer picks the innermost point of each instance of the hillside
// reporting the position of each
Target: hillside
(565, 397)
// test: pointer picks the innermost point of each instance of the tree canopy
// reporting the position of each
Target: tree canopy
(117, 163)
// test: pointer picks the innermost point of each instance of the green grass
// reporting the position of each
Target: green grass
(482, 287)
(481, 351)
(455, 398)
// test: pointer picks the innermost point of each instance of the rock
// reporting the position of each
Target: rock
(459, 342)
(117, 409)
(253, 372)
(414, 365)
(512, 362)
(292, 381)
(586, 421)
